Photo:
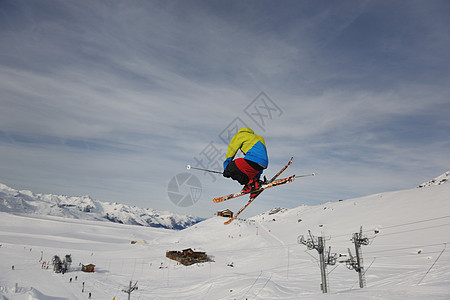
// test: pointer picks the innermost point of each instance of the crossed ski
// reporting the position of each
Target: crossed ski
(263, 187)
(282, 181)
(271, 183)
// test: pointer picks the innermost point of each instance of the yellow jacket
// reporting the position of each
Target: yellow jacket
(251, 144)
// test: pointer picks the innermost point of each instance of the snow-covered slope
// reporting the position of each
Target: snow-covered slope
(259, 258)
(84, 207)
(437, 181)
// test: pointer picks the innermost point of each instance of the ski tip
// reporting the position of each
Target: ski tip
(228, 222)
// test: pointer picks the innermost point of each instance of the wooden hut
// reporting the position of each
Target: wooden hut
(194, 254)
(188, 256)
(226, 213)
(88, 268)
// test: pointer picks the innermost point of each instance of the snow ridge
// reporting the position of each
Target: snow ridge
(437, 181)
(84, 207)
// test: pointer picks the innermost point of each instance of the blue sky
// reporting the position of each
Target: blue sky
(113, 98)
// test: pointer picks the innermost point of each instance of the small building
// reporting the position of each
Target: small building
(226, 213)
(140, 242)
(188, 256)
(88, 268)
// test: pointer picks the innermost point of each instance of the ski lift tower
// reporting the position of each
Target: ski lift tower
(359, 240)
(325, 258)
(356, 263)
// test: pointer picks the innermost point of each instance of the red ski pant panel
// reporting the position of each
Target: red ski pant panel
(240, 171)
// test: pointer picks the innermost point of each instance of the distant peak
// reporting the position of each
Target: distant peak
(437, 181)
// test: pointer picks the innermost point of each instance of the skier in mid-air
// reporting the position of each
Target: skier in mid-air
(247, 170)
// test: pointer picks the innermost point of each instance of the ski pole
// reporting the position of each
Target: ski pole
(313, 174)
(206, 170)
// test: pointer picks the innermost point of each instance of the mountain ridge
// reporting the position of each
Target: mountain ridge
(84, 207)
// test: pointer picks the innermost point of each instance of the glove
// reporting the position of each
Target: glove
(226, 162)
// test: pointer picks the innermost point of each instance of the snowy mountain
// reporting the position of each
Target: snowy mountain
(84, 207)
(406, 255)
(437, 181)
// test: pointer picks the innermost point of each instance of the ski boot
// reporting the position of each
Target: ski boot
(252, 185)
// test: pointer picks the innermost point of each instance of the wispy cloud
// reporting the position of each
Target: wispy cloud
(113, 99)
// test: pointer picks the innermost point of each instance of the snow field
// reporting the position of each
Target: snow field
(258, 258)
